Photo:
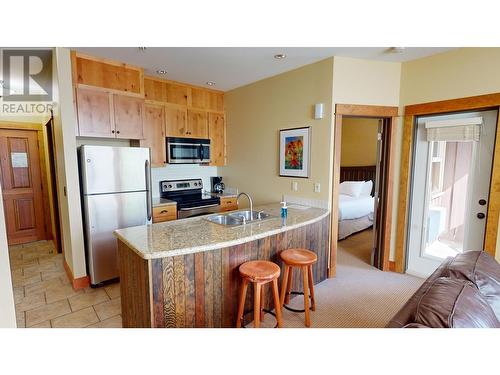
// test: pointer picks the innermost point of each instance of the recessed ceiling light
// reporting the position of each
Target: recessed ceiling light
(142, 49)
(395, 50)
(279, 56)
(161, 71)
(211, 83)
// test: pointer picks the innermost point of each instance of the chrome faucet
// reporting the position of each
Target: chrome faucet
(249, 200)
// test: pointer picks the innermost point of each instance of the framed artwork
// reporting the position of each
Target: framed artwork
(295, 152)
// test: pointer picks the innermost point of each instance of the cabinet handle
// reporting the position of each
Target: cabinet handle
(112, 132)
(163, 211)
(117, 132)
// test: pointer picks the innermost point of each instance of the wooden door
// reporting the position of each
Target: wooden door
(154, 133)
(128, 117)
(176, 124)
(95, 114)
(197, 123)
(22, 186)
(217, 134)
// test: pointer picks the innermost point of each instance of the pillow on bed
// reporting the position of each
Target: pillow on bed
(352, 188)
(367, 189)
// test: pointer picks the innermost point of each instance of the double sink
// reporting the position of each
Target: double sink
(236, 218)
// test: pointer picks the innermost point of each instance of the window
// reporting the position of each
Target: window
(438, 155)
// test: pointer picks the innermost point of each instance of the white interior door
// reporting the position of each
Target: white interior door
(450, 187)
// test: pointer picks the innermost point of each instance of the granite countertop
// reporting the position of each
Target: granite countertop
(193, 235)
(162, 202)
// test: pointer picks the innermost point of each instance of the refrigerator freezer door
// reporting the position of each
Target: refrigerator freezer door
(104, 214)
(113, 169)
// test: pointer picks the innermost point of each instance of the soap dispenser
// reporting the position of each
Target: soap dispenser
(284, 209)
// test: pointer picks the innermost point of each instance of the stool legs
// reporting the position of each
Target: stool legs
(262, 302)
(256, 304)
(277, 305)
(306, 296)
(289, 285)
(284, 282)
(241, 304)
(311, 287)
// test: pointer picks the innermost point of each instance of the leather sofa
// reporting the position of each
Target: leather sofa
(464, 292)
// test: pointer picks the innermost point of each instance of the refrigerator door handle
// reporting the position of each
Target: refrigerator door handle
(149, 203)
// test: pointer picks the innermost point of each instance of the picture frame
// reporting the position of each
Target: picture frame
(295, 152)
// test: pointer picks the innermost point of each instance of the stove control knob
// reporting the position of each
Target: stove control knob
(169, 186)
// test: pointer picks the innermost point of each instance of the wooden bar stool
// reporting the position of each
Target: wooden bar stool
(304, 259)
(259, 272)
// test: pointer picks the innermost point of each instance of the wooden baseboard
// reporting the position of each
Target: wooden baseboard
(79, 283)
(392, 266)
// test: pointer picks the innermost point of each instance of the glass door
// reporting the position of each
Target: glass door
(450, 187)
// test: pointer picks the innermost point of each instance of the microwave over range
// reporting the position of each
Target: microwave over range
(187, 150)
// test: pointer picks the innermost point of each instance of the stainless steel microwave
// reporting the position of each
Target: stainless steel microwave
(187, 150)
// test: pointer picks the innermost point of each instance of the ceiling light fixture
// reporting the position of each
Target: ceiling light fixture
(395, 50)
(161, 71)
(280, 56)
(211, 83)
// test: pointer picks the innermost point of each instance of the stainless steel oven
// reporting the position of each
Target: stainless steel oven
(188, 150)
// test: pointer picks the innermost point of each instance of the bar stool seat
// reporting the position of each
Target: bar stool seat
(259, 273)
(303, 259)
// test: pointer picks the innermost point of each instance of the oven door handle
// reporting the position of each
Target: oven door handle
(195, 208)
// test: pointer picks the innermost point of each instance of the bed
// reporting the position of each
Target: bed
(356, 211)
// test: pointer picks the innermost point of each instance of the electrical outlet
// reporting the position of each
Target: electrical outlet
(317, 187)
(295, 186)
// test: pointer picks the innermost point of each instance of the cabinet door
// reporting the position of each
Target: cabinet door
(197, 124)
(217, 134)
(128, 117)
(154, 133)
(95, 117)
(176, 125)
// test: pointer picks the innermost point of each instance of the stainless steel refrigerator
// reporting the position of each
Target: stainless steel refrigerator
(116, 193)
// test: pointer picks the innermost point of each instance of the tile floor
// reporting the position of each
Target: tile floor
(45, 298)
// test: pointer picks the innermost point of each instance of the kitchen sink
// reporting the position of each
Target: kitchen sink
(239, 218)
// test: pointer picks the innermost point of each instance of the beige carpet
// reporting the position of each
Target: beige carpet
(360, 296)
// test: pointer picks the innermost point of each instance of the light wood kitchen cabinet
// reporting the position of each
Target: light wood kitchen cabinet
(164, 213)
(154, 133)
(205, 99)
(105, 115)
(95, 114)
(128, 117)
(176, 121)
(197, 124)
(228, 204)
(217, 135)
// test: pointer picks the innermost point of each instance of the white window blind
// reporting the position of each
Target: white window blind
(455, 130)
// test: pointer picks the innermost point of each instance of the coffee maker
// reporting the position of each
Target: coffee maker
(217, 185)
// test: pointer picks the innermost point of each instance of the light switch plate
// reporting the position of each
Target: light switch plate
(295, 186)
(317, 187)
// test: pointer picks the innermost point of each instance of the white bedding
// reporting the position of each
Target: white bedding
(355, 207)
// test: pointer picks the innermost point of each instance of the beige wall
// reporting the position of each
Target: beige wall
(256, 113)
(455, 74)
(359, 142)
(67, 165)
(7, 309)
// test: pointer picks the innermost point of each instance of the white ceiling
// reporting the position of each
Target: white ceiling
(238, 66)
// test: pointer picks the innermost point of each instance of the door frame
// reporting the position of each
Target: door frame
(51, 232)
(480, 102)
(385, 225)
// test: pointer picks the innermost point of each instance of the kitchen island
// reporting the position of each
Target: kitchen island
(184, 273)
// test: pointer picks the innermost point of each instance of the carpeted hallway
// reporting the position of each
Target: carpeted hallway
(360, 296)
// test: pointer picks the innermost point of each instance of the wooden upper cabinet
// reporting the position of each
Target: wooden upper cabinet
(197, 123)
(204, 99)
(176, 94)
(155, 90)
(95, 116)
(217, 135)
(176, 122)
(154, 133)
(128, 113)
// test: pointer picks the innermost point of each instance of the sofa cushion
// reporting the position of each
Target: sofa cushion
(482, 270)
(454, 303)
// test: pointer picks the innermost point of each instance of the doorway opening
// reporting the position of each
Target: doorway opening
(450, 185)
(359, 161)
(361, 215)
(28, 178)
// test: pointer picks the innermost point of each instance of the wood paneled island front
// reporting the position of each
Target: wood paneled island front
(184, 273)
